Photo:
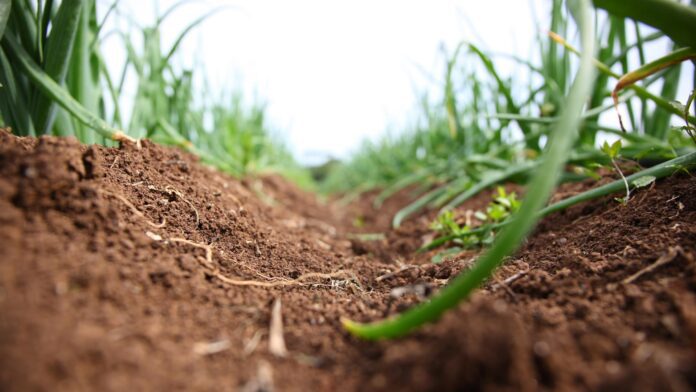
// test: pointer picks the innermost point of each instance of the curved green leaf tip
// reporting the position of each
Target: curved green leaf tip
(389, 328)
(362, 330)
(352, 327)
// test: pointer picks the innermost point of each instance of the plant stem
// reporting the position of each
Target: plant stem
(618, 170)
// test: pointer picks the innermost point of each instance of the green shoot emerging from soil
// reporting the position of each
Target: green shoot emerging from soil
(502, 206)
(612, 152)
(498, 210)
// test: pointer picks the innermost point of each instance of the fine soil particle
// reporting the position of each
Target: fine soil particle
(141, 269)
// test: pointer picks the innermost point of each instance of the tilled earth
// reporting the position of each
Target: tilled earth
(140, 269)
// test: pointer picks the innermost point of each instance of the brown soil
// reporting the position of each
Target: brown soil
(140, 269)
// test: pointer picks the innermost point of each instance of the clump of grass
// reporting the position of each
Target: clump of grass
(502, 206)
(637, 180)
(56, 82)
(49, 72)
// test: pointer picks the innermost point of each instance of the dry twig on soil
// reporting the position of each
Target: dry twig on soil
(662, 260)
(208, 249)
(171, 190)
(276, 341)
(210, 348)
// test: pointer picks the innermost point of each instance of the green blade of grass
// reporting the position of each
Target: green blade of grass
(455, 127)
(58, 49)
(60, 95)
(502, 87)
(399, 185)
(674, 19)
(83, 80)
(22, 20)
(664, 169)
(5, 8)
(424, 200)
(14, 101)
(640, 91)
(488, 181)
(659, 123)
(669, 60)
(638, 45)
(510, 238)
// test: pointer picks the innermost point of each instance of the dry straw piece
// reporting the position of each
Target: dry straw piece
(276, 341)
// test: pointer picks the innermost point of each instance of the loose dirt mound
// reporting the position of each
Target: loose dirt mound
(141, 269)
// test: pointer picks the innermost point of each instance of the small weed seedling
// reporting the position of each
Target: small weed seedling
(612, 152)
(502, 206)
(498, 210)
(447, 225)
(685, 109)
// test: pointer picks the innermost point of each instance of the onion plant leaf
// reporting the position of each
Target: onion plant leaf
(59, 94)
(629, 79)
(5, 7)
(59, 47)
(671, 17)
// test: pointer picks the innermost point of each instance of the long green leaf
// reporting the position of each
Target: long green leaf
(58, 49)
(671, 17)
(60, 95)
(422, 201)
(5, 8)
(489, 181)
(640, 91)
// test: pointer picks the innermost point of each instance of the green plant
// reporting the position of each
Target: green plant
(501, 207)
(612, 152)
(509, 239)
(485, 131)
(446, 225)
(640, 179)
(671, 17)
(670, 60)
(41, 42)
(56, 82)
(688, 128)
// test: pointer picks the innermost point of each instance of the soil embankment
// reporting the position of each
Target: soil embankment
(141, 269)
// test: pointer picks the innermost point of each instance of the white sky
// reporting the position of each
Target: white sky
(333, 73)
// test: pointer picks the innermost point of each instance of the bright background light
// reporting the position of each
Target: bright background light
(332, 73)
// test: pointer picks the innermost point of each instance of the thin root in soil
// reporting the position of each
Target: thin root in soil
(208, 261)
(134, 209)
(215, 272)
(662, 260)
